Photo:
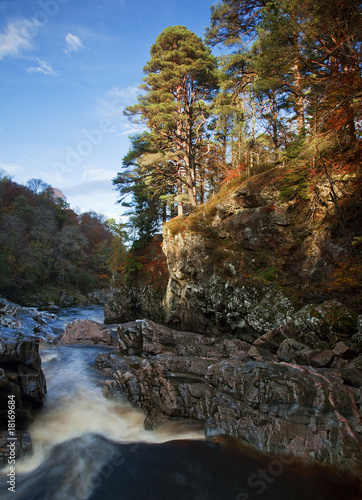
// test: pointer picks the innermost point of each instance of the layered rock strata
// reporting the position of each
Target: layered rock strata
(258, 392)
(248, 259)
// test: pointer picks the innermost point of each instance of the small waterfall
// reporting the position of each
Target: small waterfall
(75, 407)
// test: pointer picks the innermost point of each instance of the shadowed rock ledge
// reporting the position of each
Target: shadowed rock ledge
(21, 376)
(241, 389)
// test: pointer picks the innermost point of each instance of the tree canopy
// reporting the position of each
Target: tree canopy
(179, 85)
(287, 86)
(43, 241)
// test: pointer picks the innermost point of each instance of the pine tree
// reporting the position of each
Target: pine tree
(180, 82)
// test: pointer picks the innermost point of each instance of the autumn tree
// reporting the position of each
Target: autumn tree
(43, 241)
(180, 81)
(302, 60)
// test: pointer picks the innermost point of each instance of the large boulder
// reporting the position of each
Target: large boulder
(321, 326)
(86, 331)
(22, 378)
(129, 302)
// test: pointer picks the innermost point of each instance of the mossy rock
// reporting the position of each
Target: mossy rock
(322, 326)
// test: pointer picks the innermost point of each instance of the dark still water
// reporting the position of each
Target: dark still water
(86, 447)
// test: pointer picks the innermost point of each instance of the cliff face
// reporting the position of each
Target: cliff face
(265, 276)
(249, 259)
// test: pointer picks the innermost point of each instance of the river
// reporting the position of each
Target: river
(86, 447)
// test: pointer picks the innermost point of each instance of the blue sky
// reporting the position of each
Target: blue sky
(68, 68)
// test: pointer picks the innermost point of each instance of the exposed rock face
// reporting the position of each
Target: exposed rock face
(100, 296)
(86, 331)
(272, 361)
(21, 376)
(244, 390)
(199, 299)
(246, 262)
(127, 303)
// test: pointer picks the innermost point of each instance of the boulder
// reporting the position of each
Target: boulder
(352, 372)
(320, 326)
(21, 376)
(86, 331)
(343, 351)
(322, 359)
(129, 302)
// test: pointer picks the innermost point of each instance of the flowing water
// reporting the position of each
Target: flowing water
(86, 447)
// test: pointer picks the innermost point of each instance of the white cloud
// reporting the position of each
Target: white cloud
(43, 67)
(11, 168)
(131, 130)
(111, 107)
(99, 174)
(74, 43)
(99, 196)
(126, 94)
(116, 99)
(16, 38)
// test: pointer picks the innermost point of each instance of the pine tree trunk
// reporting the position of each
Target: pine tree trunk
(180, 210)
(299, 101)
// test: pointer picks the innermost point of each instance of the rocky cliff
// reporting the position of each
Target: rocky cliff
(268, 277)
(249, 259)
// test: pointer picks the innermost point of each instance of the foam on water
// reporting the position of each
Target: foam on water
(75, 406)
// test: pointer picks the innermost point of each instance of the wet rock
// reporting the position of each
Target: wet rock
(21, 376)
(245, 391)
(352, 372)
(21, 365)
(86, 331)
(27, 321)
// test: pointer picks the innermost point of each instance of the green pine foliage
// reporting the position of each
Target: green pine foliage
(179, 85)
(287, 90)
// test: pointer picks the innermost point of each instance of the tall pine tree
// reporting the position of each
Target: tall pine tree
(180, 82)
